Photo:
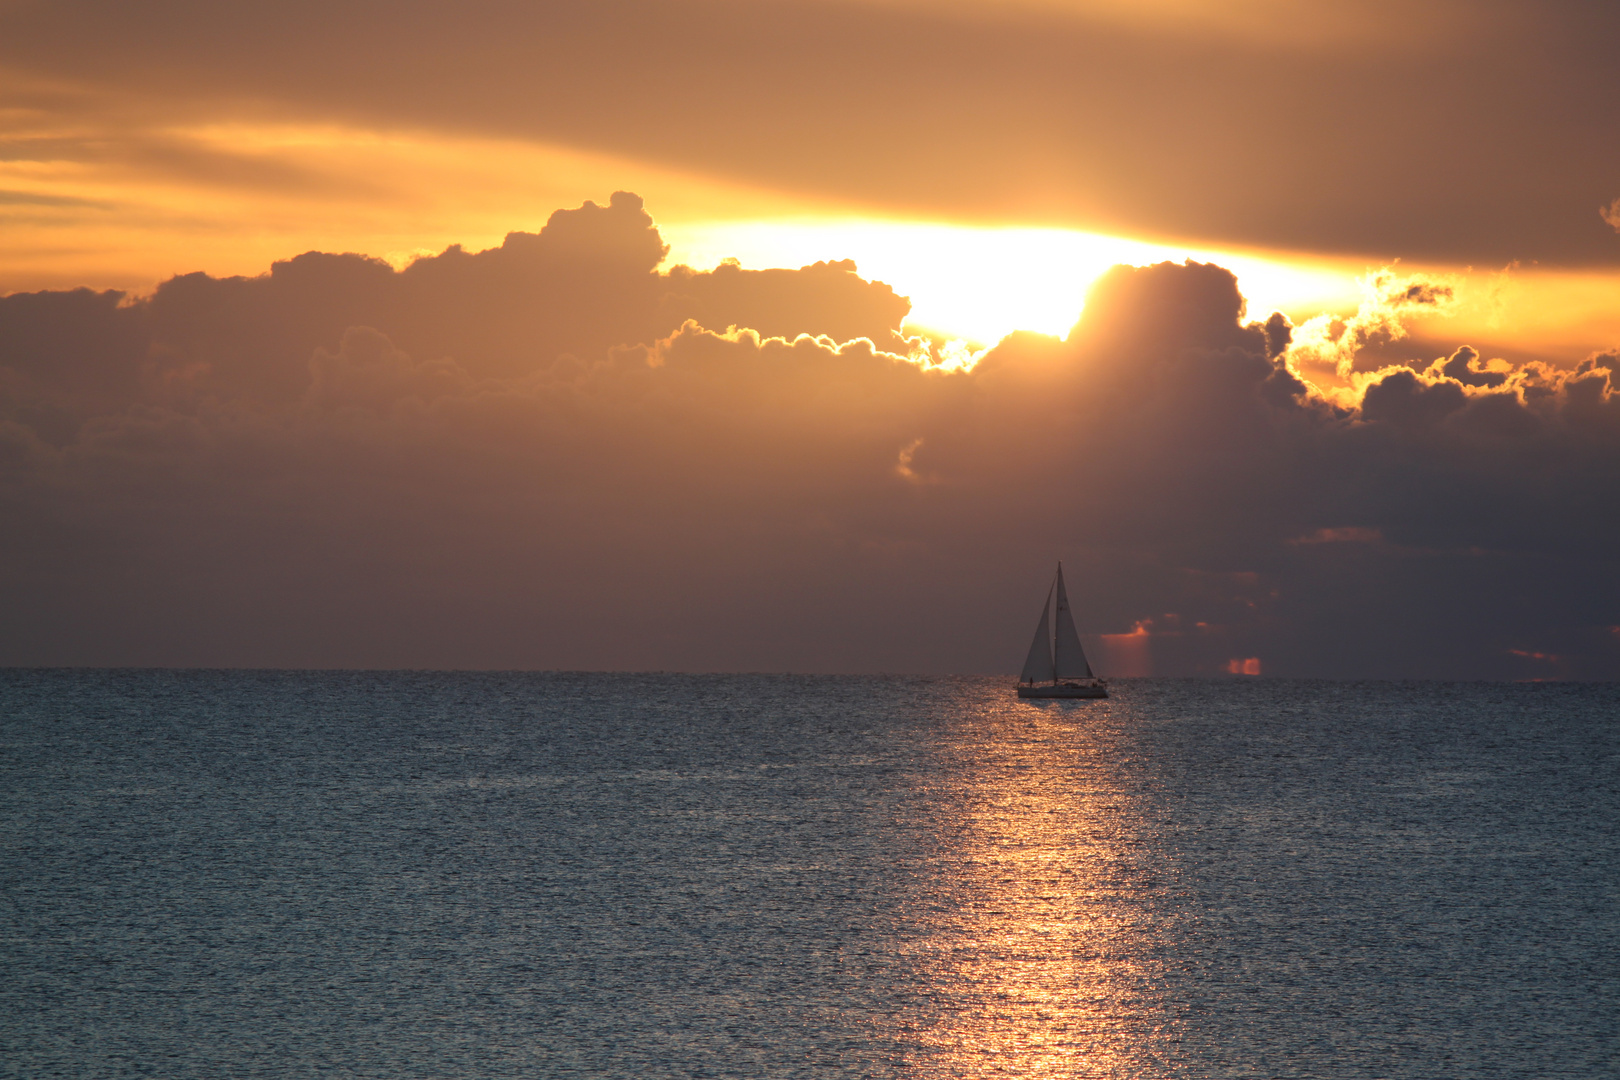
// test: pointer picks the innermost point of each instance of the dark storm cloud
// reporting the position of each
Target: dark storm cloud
(552, 454)
(1459, 132)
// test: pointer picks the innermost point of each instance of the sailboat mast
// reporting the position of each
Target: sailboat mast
(1057, 591)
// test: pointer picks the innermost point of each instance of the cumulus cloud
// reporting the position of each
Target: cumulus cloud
(1326, 347)
(556, 454)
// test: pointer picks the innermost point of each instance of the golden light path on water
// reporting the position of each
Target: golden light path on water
(1040, 946)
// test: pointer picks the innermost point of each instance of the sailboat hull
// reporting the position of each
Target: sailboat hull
(1065, 690)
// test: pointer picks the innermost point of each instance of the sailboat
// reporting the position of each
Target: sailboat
(1057, 668)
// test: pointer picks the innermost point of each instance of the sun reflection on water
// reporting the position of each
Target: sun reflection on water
(1034, 967)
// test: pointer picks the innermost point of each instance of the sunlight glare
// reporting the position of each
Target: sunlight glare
(980, 284)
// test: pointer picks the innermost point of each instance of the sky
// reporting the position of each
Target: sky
(808, 336)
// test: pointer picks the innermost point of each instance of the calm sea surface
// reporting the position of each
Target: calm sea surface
(268, 874)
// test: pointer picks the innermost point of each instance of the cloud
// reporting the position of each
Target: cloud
(1327, 347)
(553, 453)
(1611, 214)
(1349, 534)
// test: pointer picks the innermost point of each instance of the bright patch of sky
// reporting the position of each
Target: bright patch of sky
(981, 283)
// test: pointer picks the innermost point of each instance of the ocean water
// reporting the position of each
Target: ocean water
(291, 874)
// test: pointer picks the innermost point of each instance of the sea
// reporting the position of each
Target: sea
(232, 874)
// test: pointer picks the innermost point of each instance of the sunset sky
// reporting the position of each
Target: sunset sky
(584, 447)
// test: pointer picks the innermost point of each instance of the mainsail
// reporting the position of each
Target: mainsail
(1038, 667)
(1070, 661)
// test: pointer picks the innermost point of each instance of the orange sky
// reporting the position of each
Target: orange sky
(126, 223)
(1303, 146)
(1472, 133)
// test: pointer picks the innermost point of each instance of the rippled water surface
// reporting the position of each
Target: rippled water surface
(245, 874)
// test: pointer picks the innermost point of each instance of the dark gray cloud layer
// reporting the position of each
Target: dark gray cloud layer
(1466, 132)
(551, 454)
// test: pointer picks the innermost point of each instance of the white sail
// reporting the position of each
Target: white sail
(1070, 661)
(1038, 667)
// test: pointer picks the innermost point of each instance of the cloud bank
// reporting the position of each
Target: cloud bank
(553, 454)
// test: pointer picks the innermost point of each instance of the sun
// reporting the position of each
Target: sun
(978, 284)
